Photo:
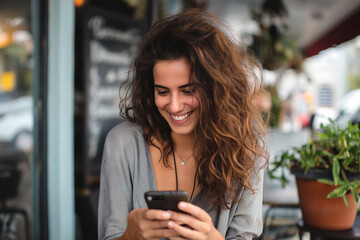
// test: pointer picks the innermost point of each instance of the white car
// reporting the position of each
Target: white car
(16, 124)
(322, 116)
(348, 106)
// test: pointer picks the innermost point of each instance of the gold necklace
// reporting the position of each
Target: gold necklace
(183, 162)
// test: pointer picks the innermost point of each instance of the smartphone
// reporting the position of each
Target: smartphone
(165, 200)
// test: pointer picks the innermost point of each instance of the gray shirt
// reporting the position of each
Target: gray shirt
(127, 173)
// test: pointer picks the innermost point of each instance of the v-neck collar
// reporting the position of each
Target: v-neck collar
(152, 174)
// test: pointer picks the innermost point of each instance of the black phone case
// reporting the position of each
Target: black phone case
(165, 200)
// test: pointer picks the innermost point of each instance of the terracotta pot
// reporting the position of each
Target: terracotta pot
(320, 212)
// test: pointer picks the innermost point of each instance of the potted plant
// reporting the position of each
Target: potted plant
(327, 173)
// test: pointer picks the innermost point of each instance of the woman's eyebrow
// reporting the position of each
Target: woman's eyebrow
(182, 86)
(186, 85)
(159, 86)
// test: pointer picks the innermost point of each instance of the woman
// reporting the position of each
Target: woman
(191, 125)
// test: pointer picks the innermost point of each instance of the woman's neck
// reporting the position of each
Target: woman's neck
(183, 143)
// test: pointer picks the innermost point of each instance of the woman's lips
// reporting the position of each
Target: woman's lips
(180, 119)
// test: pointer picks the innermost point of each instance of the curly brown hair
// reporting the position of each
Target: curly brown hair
(230, 130)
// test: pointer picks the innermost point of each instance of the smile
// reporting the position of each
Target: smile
(181, 117)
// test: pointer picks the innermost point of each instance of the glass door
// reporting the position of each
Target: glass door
(18, 169)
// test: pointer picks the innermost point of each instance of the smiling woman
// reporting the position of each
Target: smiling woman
(192, 126)
(175, 98)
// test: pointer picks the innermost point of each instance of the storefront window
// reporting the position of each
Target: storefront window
(16, 120)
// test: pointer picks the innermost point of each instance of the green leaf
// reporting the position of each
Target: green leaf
(356, 197)
(336, 171)
(326, 181)
(346, 201)
(338, 192)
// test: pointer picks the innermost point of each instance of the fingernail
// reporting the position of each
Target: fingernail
(166, 214)
(170, 224)
(182, 205)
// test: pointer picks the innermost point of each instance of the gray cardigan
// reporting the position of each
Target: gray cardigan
(127, 173)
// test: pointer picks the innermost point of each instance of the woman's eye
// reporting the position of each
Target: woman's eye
(162, 92)
(189, 91)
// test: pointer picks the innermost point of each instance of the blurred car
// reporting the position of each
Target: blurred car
(322, 116)
(349, 105)
(16, 124)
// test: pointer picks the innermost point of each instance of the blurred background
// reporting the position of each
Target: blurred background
(61, 63)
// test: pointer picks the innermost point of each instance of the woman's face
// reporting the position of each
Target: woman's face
(175, 97)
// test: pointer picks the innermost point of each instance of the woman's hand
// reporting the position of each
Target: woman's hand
(148, 224)
(199, 224)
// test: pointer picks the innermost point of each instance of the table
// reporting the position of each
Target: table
(317, 234)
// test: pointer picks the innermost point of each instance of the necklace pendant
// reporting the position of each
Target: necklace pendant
(182, 163)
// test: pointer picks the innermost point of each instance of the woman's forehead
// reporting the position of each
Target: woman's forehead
(171, 72)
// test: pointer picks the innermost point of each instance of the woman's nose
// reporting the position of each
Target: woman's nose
(176, 104)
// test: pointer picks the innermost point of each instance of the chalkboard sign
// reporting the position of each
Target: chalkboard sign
(110, 42)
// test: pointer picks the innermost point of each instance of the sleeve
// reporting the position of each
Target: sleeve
(115, 199)
(246, 222)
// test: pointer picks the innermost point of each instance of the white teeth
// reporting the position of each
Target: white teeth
(182, 117)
